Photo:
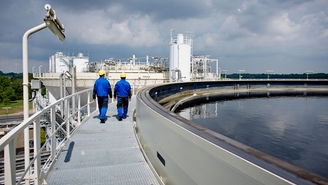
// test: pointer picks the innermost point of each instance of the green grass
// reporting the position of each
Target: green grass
(43, 136)
(15, 107)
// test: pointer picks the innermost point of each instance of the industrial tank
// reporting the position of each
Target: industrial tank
(180, 58)
(60, 63)
(81, 63)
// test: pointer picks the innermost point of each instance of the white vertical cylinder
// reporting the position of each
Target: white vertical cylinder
(180, 59)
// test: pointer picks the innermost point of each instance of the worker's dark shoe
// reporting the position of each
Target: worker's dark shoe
(120, 118)
(102, 120)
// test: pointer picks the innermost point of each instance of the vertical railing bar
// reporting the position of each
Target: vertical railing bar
(68, 132)
(27, 154)
(53, 135)
(37, 157)
(10, 163)
(79, 110)
(89, 103)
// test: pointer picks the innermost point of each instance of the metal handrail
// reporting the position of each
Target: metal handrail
(38, 172)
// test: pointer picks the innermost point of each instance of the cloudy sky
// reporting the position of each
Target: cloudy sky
(286, 36)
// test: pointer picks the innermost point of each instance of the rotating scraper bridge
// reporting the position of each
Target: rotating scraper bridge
(174, 150)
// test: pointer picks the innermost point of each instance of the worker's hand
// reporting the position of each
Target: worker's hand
(94, 99)
(129, 99)
(114, 99)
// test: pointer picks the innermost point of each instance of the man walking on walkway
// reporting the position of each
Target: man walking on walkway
(102, 90)
(122, 92)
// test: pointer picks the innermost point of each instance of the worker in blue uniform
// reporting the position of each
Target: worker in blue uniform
(102, 90)
(122, 92)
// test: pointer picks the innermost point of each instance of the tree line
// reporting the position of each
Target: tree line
(11, 87)
(11, 84)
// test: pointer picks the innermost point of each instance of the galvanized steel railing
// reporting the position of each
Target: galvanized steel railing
(73, 118)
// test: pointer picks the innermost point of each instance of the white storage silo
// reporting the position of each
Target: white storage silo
(180, 58)
(62, 62)
(59, 62)
(81, 62)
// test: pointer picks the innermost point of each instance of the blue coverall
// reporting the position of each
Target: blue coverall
(122, 92)
(102, 90)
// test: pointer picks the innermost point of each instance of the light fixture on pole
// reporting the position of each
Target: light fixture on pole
(52, 22)
(187, 32)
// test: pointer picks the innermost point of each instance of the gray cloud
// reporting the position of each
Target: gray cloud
(250, 34)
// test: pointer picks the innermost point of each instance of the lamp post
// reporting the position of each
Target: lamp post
(40, 70)
(240, 71)
(268, 72)
(225, 73)
(33, 71)
(307, 73)
(218, 74)
(172, 30)
(52, 22)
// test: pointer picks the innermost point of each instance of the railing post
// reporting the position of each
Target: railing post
(89, 92)
(53, 135)
(10, 163)
(79, 110)
(68, 130)
(37, 162)
(61, 94)
(73, 86)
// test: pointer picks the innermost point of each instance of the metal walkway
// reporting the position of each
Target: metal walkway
(103, 153)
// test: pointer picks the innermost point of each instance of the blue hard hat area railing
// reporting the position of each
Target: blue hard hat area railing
(60, 120)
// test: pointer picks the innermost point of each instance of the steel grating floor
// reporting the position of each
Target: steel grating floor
(103, 153)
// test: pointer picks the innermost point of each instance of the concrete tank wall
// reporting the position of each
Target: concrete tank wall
(183, 152)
